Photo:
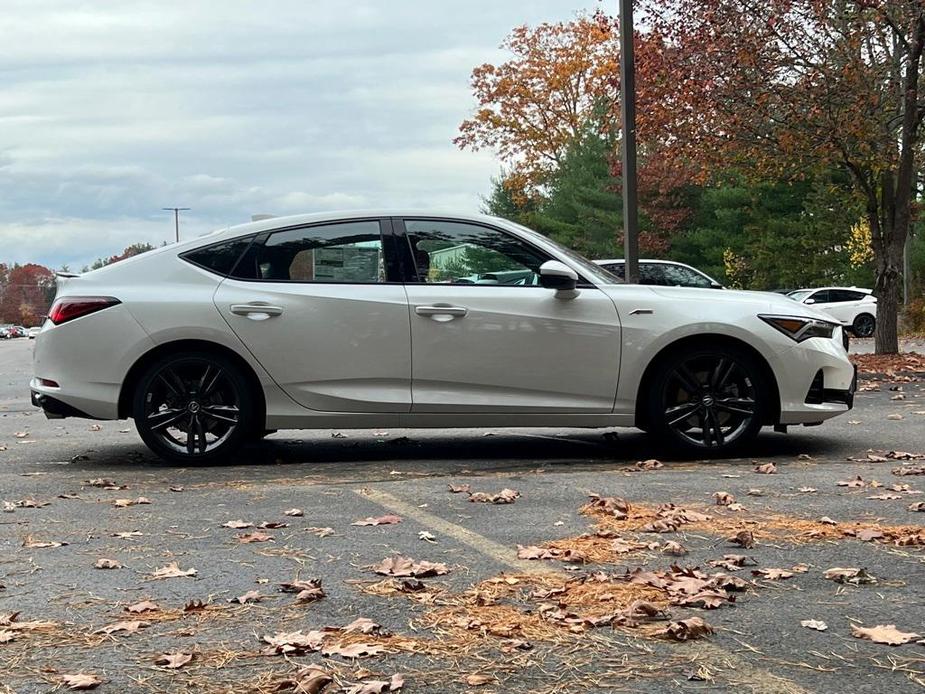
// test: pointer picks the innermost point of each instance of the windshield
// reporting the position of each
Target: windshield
(589, 269)
(799, 295)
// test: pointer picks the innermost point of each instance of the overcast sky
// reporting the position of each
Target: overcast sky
(112, 109)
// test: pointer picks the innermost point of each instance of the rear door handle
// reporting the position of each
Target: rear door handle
(438, 310)
(256, 310)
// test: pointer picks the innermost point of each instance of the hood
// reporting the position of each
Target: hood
(764, 302)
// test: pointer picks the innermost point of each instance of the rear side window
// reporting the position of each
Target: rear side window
(219, 258)
(345, 252)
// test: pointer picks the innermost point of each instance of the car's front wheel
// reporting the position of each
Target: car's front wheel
(708, 400)
(864, 325)
(193, 407)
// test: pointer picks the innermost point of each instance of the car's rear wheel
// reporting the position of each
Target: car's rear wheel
(193, 407)
(864, 325)
(708, 400)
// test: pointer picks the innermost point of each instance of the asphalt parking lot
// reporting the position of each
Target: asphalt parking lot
(76, 492)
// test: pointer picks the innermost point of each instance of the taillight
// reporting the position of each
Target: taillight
(71, 307)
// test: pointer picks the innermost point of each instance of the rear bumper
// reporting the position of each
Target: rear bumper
(56, 409)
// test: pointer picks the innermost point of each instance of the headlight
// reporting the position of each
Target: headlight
(800, 329)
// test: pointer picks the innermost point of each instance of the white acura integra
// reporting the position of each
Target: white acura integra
(421, 320)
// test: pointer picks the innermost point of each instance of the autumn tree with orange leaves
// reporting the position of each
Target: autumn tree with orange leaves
(561, 79)
(791, 87)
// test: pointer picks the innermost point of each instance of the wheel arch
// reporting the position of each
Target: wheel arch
(691, 342)
(175, 346)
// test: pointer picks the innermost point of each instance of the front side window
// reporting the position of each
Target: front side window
(446, 252)
(821, 297)
(348, 252)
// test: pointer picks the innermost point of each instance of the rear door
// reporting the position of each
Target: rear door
(319, 308)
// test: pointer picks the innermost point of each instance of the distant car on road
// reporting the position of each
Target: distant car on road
(853, 306)
(5, 332)
(666, 273)
(346, 321)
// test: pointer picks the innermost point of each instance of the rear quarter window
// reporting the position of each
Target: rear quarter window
(221, 257)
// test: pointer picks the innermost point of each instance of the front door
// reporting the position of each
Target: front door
(315, 307)
(487, 338)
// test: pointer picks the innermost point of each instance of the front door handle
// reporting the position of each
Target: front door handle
(441, 310)
(256, 310)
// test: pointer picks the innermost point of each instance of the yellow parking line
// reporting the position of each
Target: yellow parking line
(755, 679)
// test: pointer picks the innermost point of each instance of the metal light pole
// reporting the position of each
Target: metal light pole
(628, 145)
(176, 218)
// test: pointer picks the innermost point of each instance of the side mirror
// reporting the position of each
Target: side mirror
(559, 276)
(810, 301)
(715, 285)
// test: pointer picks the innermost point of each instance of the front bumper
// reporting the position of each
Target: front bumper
(816, 380)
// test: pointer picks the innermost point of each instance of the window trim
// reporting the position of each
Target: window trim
(386, 235)
(409, 268)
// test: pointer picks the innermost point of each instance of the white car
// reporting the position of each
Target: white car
(852, 306)
(33, 332)
(667, 273)
(349, 321)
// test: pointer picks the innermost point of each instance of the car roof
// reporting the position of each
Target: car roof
(819, 289)
(643, 260)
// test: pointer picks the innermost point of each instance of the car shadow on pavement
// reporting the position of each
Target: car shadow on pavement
(429, 453)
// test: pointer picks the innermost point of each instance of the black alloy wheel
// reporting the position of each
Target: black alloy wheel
(193, 407)
(864, 325)
(708, 400)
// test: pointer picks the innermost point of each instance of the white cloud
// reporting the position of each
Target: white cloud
(110, 111)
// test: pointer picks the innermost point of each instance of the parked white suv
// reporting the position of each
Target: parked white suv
(854, 307)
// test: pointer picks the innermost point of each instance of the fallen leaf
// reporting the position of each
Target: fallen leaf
(7, 636)
(766, 469)
(886, 496)
(883, 633)
(172, 570)
(273, 525)
(125, 503)
(173, 661)
(30, 543)
(381, 520)
(505, 496)
(825, 520)
(723, 498)
(894, 417)
(807, 490)
(81, 681)
(128, 626)
(249, 596)
(403, 566)
(353, 650)
(195, 606)
(295, 642)
(773, 574)
(143, 606)
(237, 524)
(320, 532)
(426, 536)
(743, 538)
(850, 575)
(856, 482)
(460, 489)
(176, 488)
(127, 535)
(362, 625)
(755, 492)
(294, 512)
(107, 564)
(814, 624)
(651, 464)
(687, 629)
(308, 680)
(917, 506)
(674, 548)
(306, 591)
(476, 680)
(257, 536)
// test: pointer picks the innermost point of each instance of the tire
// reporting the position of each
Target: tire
(721, 390)
(194, 407)
(864, 325)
